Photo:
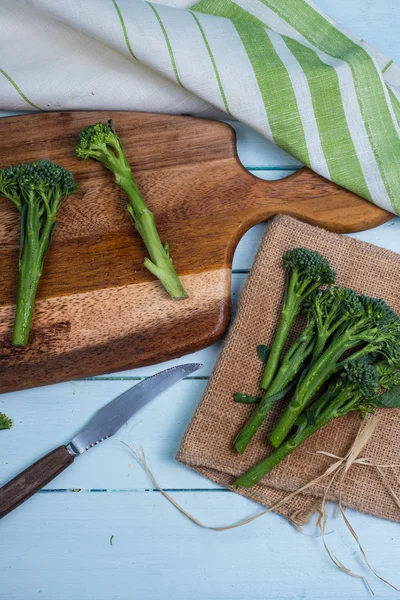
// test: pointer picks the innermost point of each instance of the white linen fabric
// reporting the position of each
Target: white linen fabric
(282, 67)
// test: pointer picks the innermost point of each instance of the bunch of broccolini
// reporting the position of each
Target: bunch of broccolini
(345, 332)
(102, 143)
(37, 189)
(355, 389)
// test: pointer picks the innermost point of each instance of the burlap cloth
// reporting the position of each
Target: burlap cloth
(207, 443)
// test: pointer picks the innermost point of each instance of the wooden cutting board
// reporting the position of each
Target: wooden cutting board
(98, 309)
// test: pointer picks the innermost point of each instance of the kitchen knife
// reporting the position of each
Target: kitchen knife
(107, 421)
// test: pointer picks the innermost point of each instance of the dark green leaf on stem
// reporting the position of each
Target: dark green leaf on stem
(390, 399)
(279, 395)
(310, 417)
(263, 352)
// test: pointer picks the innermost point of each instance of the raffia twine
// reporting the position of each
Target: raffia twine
(337, 470)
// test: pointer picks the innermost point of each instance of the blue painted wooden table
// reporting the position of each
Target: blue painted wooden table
(100, 531)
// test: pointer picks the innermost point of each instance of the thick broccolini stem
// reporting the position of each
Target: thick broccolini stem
(29, 275)
(315, 378)
(316, 406)
(261, 469)
(290, 367)
(102, 143)
(160, 264)
(289, 313)
(30, 269)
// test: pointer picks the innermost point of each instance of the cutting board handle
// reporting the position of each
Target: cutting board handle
(311, 198)
(33, 479)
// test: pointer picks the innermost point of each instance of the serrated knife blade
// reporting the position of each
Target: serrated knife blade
(105, 423)
(109, 419)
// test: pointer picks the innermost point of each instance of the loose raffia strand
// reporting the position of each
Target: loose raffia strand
(339, 468)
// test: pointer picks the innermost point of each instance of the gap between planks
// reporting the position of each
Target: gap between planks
(125, 490)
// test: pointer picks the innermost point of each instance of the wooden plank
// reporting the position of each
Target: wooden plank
(58, 547)
(45, 418)
(375, 21)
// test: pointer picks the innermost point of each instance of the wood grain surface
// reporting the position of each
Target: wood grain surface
(98, 309)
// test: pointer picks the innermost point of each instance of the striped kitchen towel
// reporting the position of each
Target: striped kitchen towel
(280, 66)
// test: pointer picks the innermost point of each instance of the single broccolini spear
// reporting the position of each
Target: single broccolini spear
(306, 271)
(291, 365)
(357, 388)
(102, 143)
(37, 189)
(377, 329)
(5, 422)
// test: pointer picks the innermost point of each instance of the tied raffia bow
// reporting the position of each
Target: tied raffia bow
(338, 469)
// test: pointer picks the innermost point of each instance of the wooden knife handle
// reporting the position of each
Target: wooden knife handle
(30, 481)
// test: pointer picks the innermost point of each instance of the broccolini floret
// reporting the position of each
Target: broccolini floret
(306, 271)
(38, 190)
(330, 309)
(102, 143)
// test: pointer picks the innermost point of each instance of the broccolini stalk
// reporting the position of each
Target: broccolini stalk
(331, 308)
(290, 367)
(38, 190)
(5, 422)
(306, 270)
(102, 143)
(376, 330)
(357, 388)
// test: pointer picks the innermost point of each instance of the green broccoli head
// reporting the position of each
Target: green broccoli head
(380, 327)
(348, 302)
(387, 377)
(48, 181)
(310, 270)
(9, 186)
(41, 182)
(334, 304)
(361, 377)
(102, 143)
